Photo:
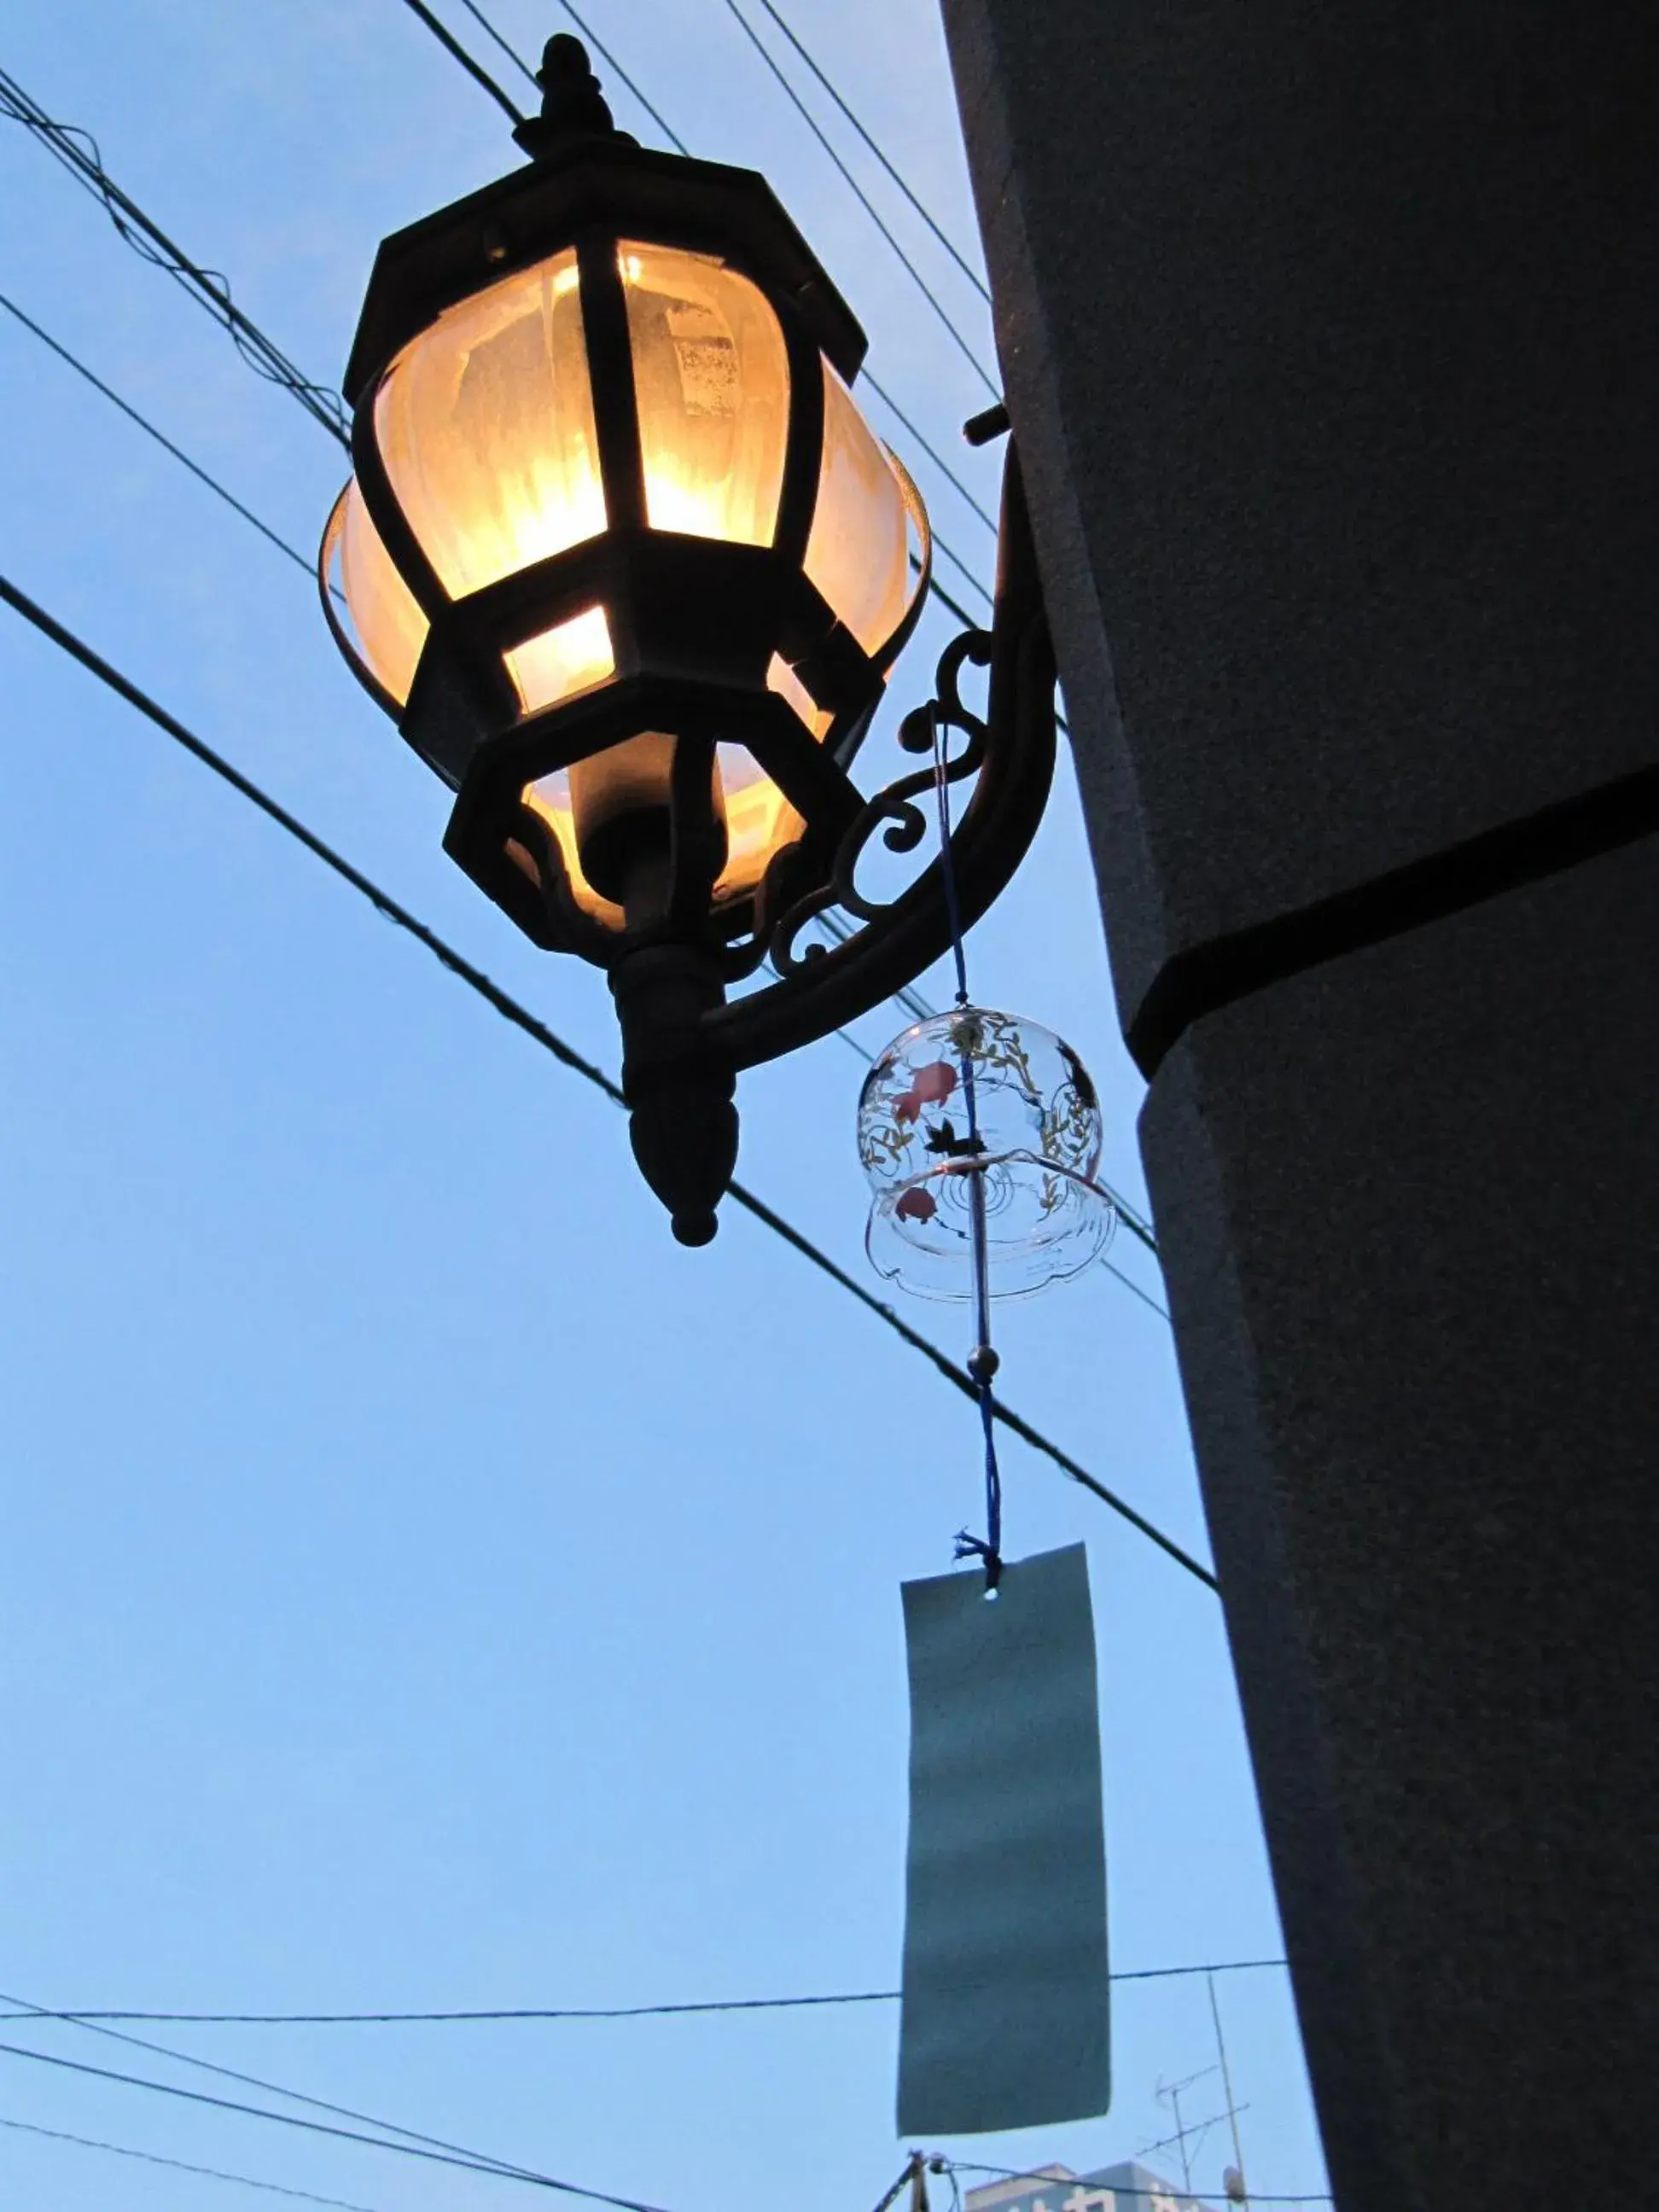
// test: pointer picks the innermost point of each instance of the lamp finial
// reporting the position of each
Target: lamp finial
(572, 107)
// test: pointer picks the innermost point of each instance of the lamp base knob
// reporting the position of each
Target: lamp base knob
(683, 1124)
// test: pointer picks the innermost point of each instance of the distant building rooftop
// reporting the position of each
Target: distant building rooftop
(1003, 2192)
(1126, 2187)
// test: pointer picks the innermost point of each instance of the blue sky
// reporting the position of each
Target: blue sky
(424, 1584)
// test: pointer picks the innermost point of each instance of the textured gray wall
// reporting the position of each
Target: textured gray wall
(1331, 340)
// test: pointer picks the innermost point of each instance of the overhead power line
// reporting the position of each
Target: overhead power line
(453, 47)
(384, 903)
(502, 2172)
(511, 52)
(909, 1001)
(948, 243)
(78, 151)
(183, 2166)
(593, 40)
(456, 51)
(83, 2015)
(43, 2012)
(309, 568)
(220, 491)
(940, 310)
(939, 461)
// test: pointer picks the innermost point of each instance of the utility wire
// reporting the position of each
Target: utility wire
(941, 545)
(932, 451)
(908, 999)
(384, 903)
(78, 151)
(149, 430)
(246, 512)
(949, 244)
(475, 69)
(468, 2165)
(518, 62)
(293, 382)
(864, 200)
(512, 52)
(183, 2166)
(39, 2012)
(453, 46)
(84, 2014)
(593, 40)
(955, 606)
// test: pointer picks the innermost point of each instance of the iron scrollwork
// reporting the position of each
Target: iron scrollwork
(896, 806)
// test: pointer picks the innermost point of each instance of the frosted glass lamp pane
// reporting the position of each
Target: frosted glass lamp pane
(858, 553)
(485, 423)
(759, 819)
(571, 657)
(781, 679)
(582, 804)
(389, 626)
(550, 797)
(712, 378)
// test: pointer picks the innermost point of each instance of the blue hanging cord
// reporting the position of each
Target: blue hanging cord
(982, 1364)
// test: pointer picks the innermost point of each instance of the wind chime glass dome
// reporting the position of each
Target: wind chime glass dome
(490, 428)
(1039, 1136)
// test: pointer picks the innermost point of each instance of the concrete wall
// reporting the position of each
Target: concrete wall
(1331, 340)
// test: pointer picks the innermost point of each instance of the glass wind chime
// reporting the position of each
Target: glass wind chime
(981, 1135)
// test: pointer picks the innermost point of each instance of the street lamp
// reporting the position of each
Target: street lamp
(622, 557)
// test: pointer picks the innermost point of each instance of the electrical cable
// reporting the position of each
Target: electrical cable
(864, 200)
(453, 46)
(940, 545)
(475, 69)
(593, 40)
(908, 1001)
(934, 455)
(512, 52)
(163, 440)
(384, 903)
(955, 606)
(87, 2015)
(963, 263)
(78, 151)
(499, 2171)
(518, 62)
(39, 2012)
(183, 2166)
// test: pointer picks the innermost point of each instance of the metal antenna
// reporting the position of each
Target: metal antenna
(1241, 2194)
(1170, 2095)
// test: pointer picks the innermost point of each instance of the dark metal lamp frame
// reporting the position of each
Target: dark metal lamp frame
(694, 624)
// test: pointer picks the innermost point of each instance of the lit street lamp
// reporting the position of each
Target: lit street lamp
(623, 560)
